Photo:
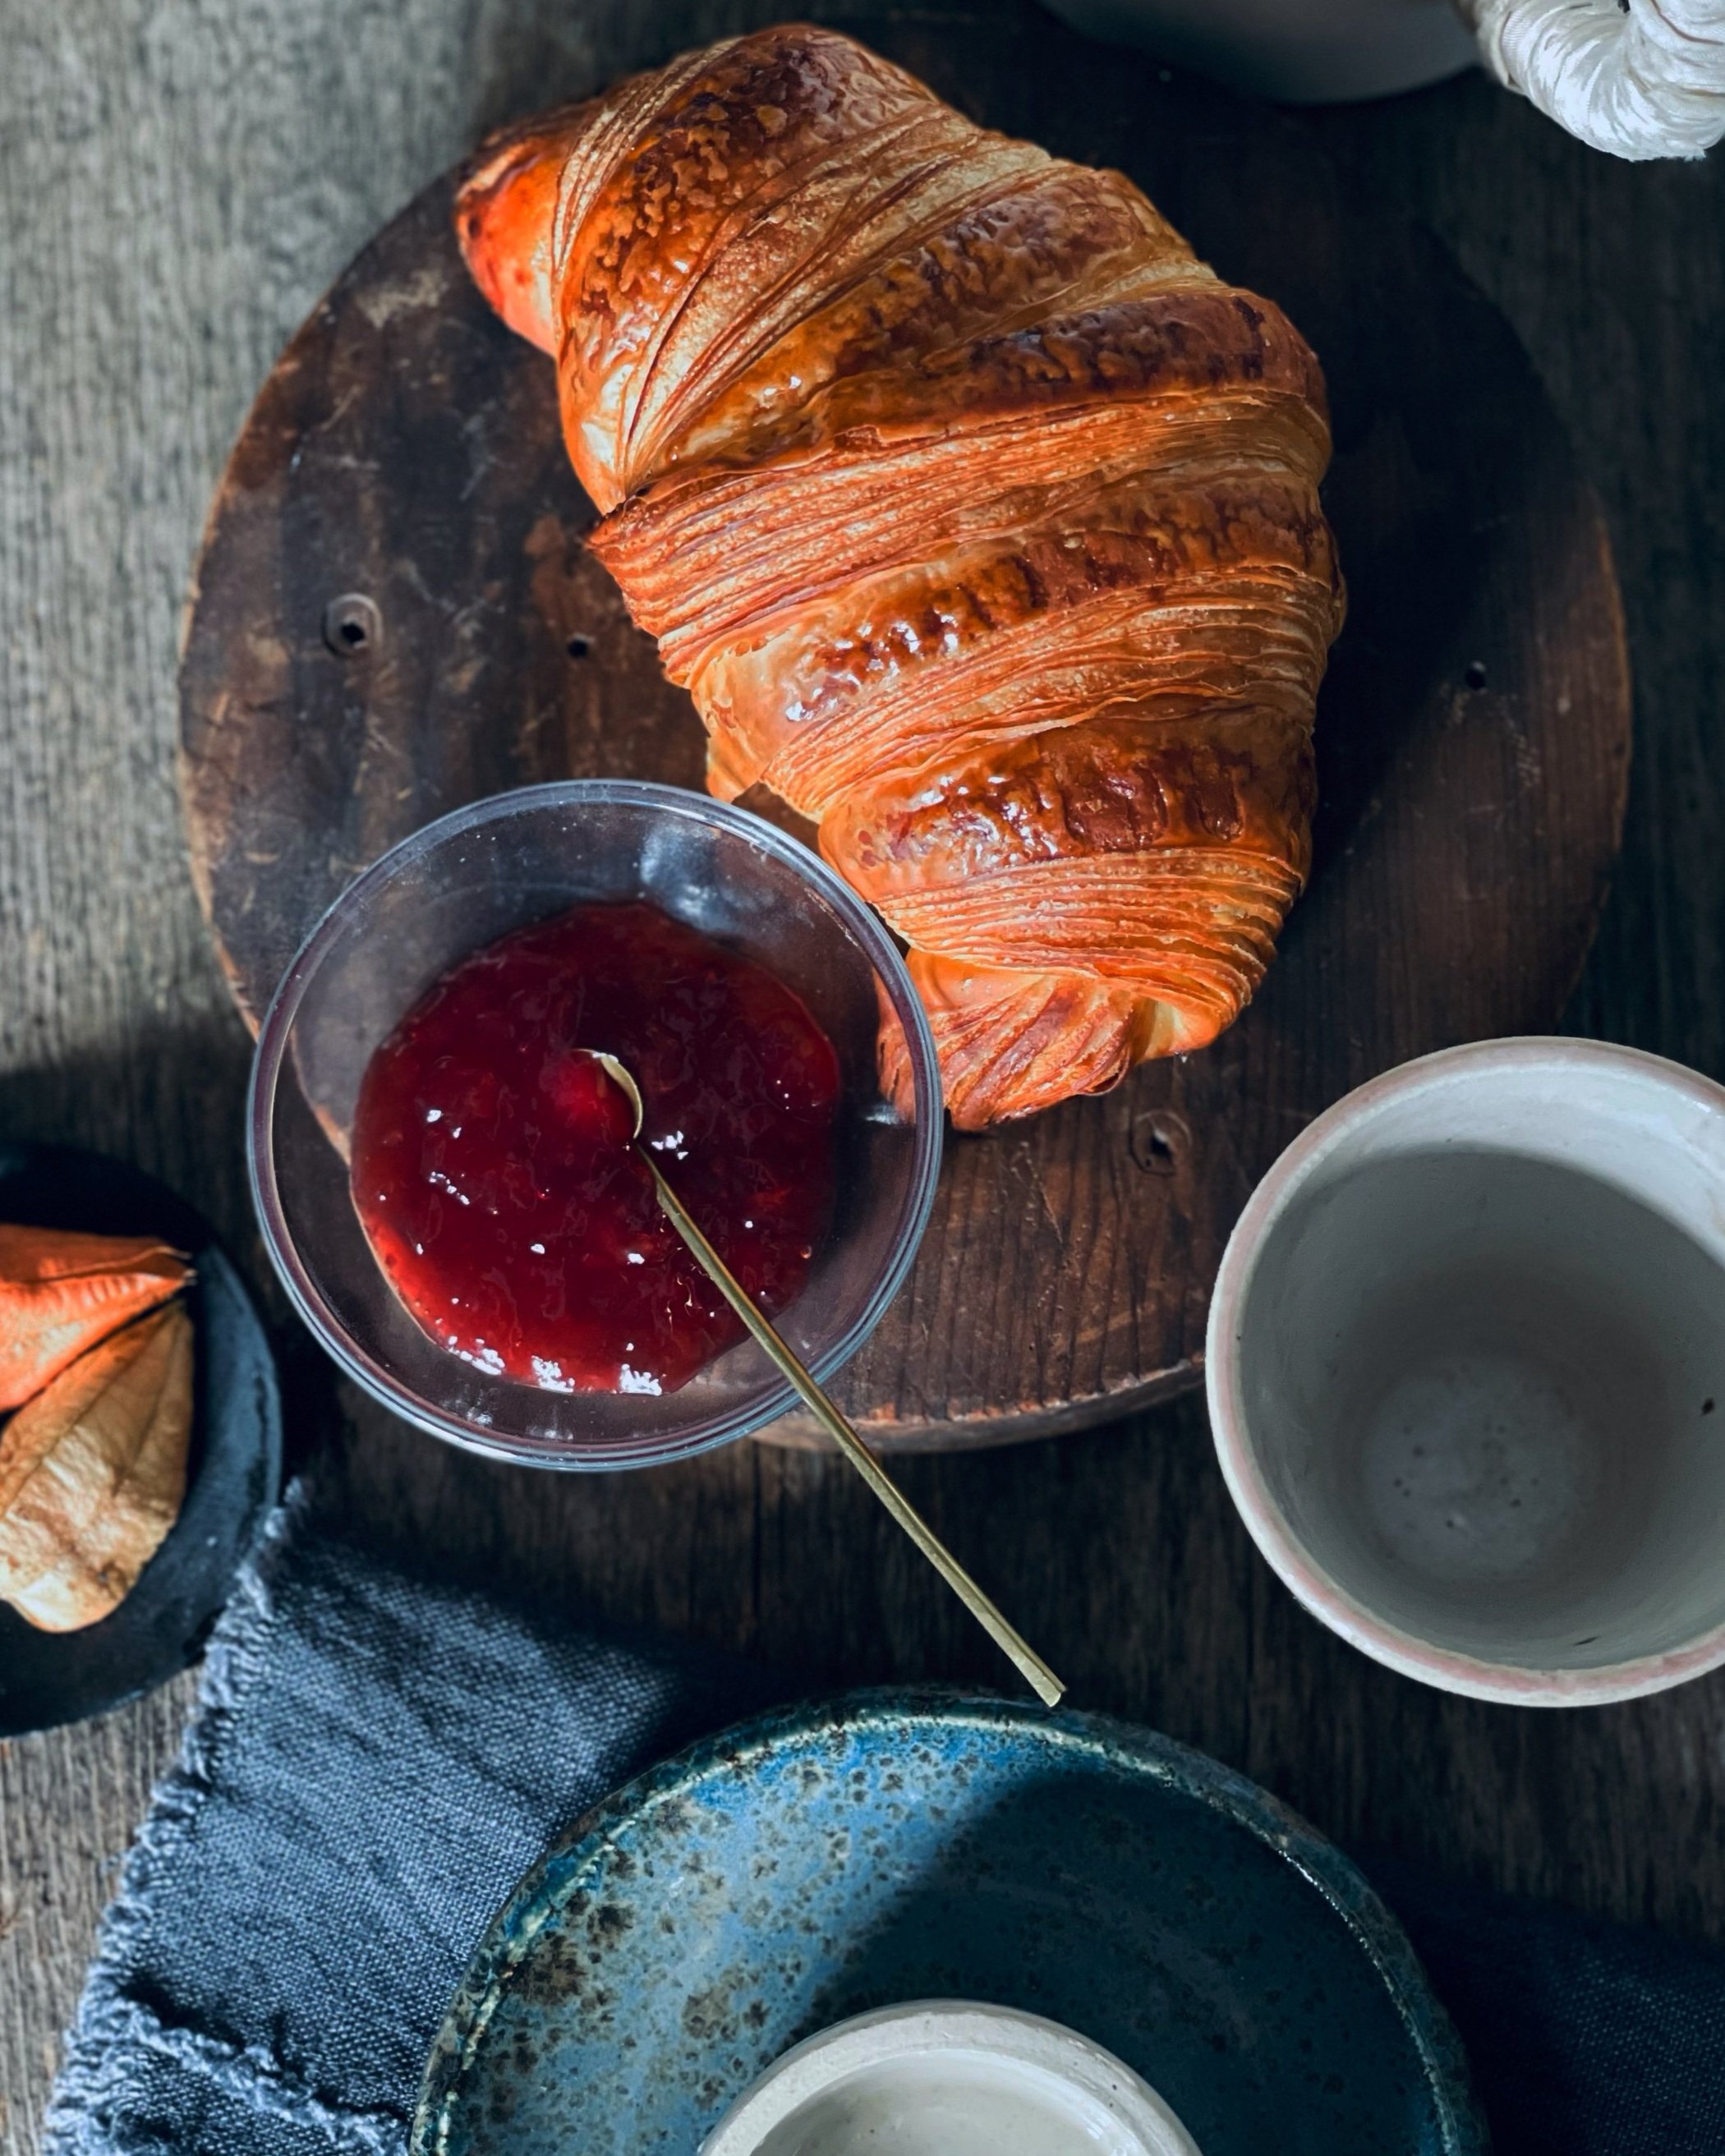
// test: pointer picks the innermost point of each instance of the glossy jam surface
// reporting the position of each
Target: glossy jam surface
(492, 1170)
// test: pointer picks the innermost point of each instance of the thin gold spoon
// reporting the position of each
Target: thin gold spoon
(1036, 1672)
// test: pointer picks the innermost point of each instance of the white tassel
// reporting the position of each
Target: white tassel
(1640, 78)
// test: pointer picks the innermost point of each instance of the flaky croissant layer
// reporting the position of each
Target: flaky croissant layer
(980, 519)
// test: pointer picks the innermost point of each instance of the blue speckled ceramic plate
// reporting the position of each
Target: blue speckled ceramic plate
(906, 1846)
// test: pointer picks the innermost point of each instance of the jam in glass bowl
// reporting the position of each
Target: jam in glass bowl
(502, 875)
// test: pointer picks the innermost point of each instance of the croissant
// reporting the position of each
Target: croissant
(979, 518)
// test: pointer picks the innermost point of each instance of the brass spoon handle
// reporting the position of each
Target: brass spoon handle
(1041, 1679)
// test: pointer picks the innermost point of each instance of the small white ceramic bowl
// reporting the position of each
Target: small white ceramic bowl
(1467, 1371)
(943, 2077)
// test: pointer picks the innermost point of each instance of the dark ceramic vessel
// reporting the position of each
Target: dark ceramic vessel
(233, 1473)
(901, 1846)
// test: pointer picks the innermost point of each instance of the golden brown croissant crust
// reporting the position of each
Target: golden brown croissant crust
(980, 519)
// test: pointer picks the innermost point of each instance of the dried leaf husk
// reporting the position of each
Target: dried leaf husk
(93, 1474)
(61, 1293)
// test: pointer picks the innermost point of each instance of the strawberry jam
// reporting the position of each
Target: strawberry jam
(492, 1169)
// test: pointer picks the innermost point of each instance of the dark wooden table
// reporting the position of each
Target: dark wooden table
(177, 187)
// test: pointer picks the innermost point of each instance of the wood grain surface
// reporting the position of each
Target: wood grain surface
(181, 181)
(395, 613)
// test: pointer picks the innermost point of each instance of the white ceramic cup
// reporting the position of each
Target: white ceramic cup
(1467, 1371)
(1312, 52)
(949, 2077)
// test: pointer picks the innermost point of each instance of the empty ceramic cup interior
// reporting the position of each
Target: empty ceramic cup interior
(1467, 1369)
(949, 2078)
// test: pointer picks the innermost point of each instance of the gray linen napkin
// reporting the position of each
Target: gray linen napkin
(373, 1762)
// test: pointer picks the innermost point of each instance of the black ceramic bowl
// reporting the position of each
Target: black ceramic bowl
(47, 1678)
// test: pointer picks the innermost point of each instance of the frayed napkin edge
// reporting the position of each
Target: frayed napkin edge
(114, 2033)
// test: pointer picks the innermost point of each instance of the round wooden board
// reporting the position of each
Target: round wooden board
(394, 613)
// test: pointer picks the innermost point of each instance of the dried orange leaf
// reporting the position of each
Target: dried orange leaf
(60, 1293)
(93, 1474)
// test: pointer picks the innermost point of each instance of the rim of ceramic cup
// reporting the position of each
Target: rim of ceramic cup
(272, 1052)
(953, 2028)
(1310, 1582)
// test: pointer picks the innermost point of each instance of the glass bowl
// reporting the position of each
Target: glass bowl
(464, 882)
